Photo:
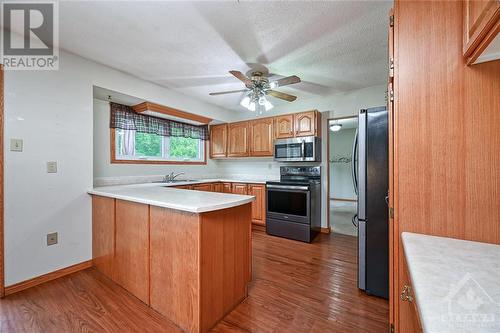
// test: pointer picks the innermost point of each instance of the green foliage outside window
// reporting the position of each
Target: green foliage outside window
(147, 145)
(184, 147)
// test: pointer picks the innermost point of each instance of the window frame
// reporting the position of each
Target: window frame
(115, 160)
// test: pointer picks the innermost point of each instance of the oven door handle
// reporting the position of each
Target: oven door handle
(288, 187)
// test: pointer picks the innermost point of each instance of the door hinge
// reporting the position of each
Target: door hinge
(392, 328)
(391, 95)
(391, 20)
(391, 212)
(391, 63)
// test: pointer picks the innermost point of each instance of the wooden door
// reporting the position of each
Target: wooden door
(238, 139)
(217, 187)
(218, 141)
(480, 24)
(239, 188)
(132, 248)
(203, 187)
(259, 205)
(283, 126)
(305, 123)
(227, 188)
(261, 137)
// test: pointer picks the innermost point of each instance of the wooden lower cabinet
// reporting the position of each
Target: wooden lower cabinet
(409, 321)
(103, 230)
(184, 187)
(203, 187)
(132, 248)
(227, 188)
(239, 188)
(217, 187)
(259, 205)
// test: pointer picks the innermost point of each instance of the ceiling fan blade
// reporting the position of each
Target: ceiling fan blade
(286, 81)
(280, 95)
(240, 76)
(227, 92)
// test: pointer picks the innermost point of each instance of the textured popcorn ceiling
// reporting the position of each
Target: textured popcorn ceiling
(190, 46)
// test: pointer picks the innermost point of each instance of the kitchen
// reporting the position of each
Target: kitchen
(84, 184)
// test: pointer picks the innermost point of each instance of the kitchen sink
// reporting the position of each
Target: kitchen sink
(176, 181)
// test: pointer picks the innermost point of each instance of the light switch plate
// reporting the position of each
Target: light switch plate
(16, 145)
(52, 167)
(52, 239)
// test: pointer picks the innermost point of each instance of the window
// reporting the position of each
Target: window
(130, 146)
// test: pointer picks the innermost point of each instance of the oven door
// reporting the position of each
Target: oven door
(289, 203)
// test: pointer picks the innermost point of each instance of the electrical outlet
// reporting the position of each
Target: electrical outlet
(16, 145)
(52, 239)
(51, 167)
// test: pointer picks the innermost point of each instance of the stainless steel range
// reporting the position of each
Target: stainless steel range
(294, 203)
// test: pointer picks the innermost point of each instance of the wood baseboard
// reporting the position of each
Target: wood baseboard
(23, 285)
(325, 230)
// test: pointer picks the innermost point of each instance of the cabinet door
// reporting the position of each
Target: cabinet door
(306, 123)
(218, 141)
(284, 126)
(203, 187)
(217, 187)
(479, 24)
(259, 205)
(239, 188)
(238, 139)
(227, 188)
(132, 248)
(261, 137)
(409, 321)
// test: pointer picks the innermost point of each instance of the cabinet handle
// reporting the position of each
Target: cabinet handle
(406, 294)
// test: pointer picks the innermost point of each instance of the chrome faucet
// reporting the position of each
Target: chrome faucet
(170, 177)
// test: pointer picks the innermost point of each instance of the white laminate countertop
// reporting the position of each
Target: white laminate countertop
(456, 283)
(162, 195)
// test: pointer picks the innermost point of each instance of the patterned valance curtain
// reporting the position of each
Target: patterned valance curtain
(124, 117)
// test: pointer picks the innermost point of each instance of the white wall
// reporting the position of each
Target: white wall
(341, 186)
(52, 112)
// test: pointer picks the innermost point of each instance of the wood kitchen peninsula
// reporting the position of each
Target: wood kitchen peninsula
(187, 254)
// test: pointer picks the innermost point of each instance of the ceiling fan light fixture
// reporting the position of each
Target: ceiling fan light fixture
(335, 127)
(245, 102)
(268, 106)
(262, 100)
(251, 106)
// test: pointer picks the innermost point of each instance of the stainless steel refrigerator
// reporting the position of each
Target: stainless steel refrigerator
(371, 179)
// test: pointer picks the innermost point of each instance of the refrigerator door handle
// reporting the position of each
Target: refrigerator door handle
(362, 133)
(353, 163)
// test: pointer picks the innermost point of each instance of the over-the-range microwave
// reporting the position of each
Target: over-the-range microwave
(305, 149)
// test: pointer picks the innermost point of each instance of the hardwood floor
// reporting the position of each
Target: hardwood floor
(296, 287)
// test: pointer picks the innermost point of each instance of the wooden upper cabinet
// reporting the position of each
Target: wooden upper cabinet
(481, 26)
(306, 123)
(284, 126)
(261, 137)
(259, 204)
(218, 141)
(237, 139)
(239, 188)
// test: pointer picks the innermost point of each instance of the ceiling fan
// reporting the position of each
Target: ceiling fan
(257, 86)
